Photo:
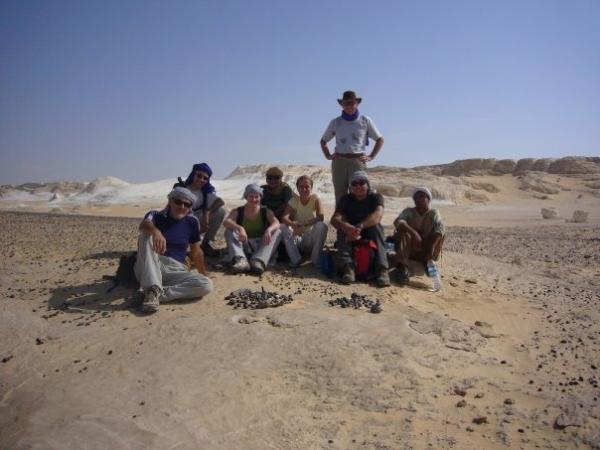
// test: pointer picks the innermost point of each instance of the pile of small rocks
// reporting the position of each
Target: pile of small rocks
(249, 299)
(357, 301)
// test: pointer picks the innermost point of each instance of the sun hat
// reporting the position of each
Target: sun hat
(349, 95)
(183, 194)
(424, 190)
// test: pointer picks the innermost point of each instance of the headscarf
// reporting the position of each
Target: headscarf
(182, 193)
(207, 188)
(252, 189)
(424, 190)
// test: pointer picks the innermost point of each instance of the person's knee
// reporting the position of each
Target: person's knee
(321, 227)
(203, 285)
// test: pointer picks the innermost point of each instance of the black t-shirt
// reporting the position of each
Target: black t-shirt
(355, 210)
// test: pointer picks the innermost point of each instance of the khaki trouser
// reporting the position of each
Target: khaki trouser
(311, 241)
(173, 277)
(406, 247)
(341, 171)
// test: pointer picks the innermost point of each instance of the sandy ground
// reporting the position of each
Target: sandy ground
(511, 341)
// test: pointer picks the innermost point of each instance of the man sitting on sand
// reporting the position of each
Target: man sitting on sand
(276, 193)
(162, 248)
(208, 207)
(358, 216)
(419, 233)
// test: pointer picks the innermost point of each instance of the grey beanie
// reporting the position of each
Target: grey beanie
(183, 194)
(253, 188)
(424, 190)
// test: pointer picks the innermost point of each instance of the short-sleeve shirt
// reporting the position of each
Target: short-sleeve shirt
(354, 210)
(302, 212)
(351, 136)
(429, 222)
(178, 233)
(274, 201)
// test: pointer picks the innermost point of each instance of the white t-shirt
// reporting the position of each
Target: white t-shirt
(351, 136)
(210, 199)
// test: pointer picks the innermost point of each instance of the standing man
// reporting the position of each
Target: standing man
(352, 131)
(164, 239)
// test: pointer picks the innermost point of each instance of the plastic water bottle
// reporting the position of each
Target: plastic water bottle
(434, 274)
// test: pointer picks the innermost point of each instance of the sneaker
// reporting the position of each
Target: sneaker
(151, 300)
(348, 276)
(382, 278)
(209, 250)
(402, 274)
(240, 264)
(257, 267)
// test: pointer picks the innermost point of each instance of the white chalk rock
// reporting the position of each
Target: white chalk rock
(549, 213)
(580, 216)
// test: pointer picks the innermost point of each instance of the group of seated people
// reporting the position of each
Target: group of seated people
(274, 220)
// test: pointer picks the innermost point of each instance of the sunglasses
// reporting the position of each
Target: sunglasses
(273, 177)
(179, 202)
(202, 177)
(358, 183)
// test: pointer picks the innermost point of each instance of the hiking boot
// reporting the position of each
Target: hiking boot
(240, 264)
(348, 275)
(151, 300)
(209, 250)
(257, 267)
(382, 278)
(402, 274)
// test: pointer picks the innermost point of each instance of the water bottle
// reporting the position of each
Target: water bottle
(434, 274)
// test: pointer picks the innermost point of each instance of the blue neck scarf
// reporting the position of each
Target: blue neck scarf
(350, 117)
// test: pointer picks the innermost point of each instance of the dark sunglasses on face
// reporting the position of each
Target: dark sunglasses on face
(181, 203)
(202, 177)
(358, 183)
(273, 177)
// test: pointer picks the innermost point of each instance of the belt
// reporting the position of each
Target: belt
(350, 155)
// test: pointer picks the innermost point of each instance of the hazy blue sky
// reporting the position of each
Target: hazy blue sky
(143, 89)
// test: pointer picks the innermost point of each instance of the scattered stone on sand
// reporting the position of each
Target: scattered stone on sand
(249, 299)
(509, 401)
(479, 420)
(357, 301)
(571, 417)
(461, 404)
(550, 213)
(39, 341)
(7, 358)
(580, 216)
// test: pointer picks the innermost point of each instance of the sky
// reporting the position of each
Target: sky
(142, 90)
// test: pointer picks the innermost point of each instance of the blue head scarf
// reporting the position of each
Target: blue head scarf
(208, 188)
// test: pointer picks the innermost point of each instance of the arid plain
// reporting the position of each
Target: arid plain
(506, 355)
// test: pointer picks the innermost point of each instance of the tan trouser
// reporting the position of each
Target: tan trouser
(406, 247)
(341, 171)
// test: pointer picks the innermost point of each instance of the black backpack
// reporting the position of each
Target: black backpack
(125, 275)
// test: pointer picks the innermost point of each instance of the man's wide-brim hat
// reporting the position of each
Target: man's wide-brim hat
(349, 95)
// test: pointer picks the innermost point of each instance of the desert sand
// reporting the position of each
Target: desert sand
(506, 355)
